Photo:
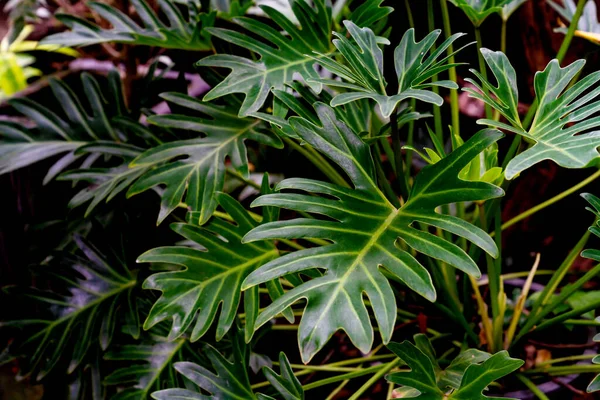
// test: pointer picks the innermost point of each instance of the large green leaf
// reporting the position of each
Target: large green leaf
(466, 377)
(181, 32)
(99, 295)
(561, 129)
(212, 276)
(148, 366)
(367, 232)
(198, 169)
(286, 55)
(478, 10)
(363, 76)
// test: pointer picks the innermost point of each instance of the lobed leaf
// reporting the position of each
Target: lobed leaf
(366, 233)
(563, 126)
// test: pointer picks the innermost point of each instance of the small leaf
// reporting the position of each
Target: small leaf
(561, 130)
(478, 10)
(363, 77)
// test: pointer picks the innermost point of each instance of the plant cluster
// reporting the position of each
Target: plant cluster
(378, 224)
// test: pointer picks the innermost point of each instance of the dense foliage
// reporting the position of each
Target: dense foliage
(313, 178)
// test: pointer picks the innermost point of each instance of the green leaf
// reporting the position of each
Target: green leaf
(284, 56)
(466, 378)
(54, 134)
(478, 10)
(198, 171)
(147, 367)
(107, 182)
(369, 13)
(229, 381)
(363, 75)
(99, 292)
(477, 377)
(212, 277)
(184, 33)
(367, 232)
(509, 8)
(286, 384)
(561, 130)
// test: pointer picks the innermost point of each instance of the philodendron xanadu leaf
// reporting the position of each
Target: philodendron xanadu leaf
(561, 127)
(478, 10)
(147, 366)
(53, 134)
(285, 56)
(180, 33)
(229, 381)
(465, 378)
(99, 295)
(286, 384)
(588, 26)
(363, 75)
(365, 230)
(201, 173)
(212, 277)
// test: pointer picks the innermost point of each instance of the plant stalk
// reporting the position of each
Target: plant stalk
(452, 71)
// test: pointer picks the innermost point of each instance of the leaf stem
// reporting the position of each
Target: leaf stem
(235, 174)
(531, 386)
(387, 368)
(437, 114)
(400, 174)
(551, 201)
(482, 69)
(452, 71)
(318, 161)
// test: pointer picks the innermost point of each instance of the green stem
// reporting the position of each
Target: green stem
(384, 184)
(400, 175)
(452, 71)
(387, 368)
(411, 21)
(437, 114)
(343, 377)
(242, 178)
(482, 69)
(566, 370)
(551, 201)
(566, 359)
(563, 317)
(323, 165)
(531, 386)
(536, 313)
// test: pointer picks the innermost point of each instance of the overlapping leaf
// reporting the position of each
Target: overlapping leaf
(212, 277)
(509, 8)
(54, 135)
(286, 384)
(185, 33)
(466, 378)
(369, 13)
(198, 169)
(99, 295)
(478, 10)
(148, 365)
(367, 233)
(562, 130)
(363, 76)
(284, 55)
